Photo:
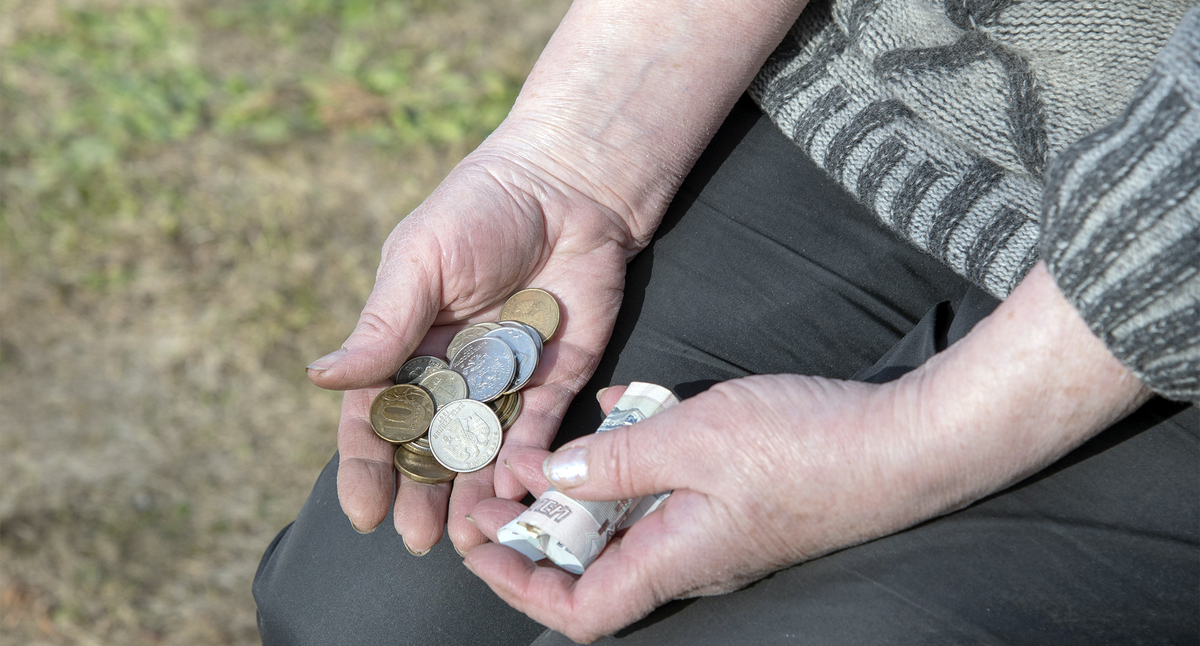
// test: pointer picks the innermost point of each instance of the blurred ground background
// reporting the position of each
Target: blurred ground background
(193, 196)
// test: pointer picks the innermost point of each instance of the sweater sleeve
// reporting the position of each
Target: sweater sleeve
(1121, 224)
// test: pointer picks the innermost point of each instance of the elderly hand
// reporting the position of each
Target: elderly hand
(766, 471)
(769, 471)
(498, 223)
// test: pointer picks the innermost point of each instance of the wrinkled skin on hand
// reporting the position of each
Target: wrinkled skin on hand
(497, 224)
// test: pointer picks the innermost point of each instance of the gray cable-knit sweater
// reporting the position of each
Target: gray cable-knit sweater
(976, 129)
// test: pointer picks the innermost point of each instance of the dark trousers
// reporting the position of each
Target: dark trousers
(764, 265)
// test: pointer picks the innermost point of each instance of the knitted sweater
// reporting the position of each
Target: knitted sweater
(944, 117)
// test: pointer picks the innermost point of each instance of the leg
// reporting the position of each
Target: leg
(321, 582)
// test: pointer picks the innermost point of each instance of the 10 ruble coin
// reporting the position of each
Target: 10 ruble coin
(401, 413)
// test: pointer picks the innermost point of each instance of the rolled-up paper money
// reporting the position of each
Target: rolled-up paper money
(571, 533)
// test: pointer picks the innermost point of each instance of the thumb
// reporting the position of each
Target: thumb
(628, 462)
(397, 316)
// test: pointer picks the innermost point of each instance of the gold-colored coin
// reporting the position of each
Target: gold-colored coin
(421, 468)
(420, 446)
(467, 335)
(534, 307)
(508, 409)
(518, 405)
(402, 413)
(501, 404)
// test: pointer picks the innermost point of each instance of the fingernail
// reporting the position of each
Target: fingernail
(411, 550)
(460, 552)
(600, 393)
(471, 520)
(567, 468)
(326, 362)
(468, 566)
(506, 465)
(362, 531)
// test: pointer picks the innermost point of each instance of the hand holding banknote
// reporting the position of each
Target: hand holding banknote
(769, 471)
(736, 512)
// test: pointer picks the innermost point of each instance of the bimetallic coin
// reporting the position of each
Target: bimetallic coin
(488, 366)
(445, 386)
(421, 468)
(465, 436)
(417, 367)
(533, 334)
(535, 307)
(401, 413)
(467, 335)
(525, 351)
(420, 446)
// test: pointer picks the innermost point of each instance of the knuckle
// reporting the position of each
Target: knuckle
(734, 390)
(619, 462)
(375, 327)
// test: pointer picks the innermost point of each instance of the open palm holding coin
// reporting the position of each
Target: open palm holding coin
(453, 263)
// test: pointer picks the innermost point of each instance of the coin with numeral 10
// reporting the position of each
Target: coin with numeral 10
(401, 413)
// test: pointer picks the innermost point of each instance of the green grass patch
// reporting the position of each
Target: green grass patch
(105, 89)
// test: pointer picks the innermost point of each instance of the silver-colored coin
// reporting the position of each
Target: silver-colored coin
(488, 365)
(445, 386)
(417, 367)
(420, 446)
(465, 436)
(467, 335)
(525, 351)
(533, 333)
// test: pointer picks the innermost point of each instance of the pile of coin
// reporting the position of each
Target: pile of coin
(448, 416)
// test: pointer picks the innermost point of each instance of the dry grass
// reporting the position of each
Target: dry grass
(194, 198)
